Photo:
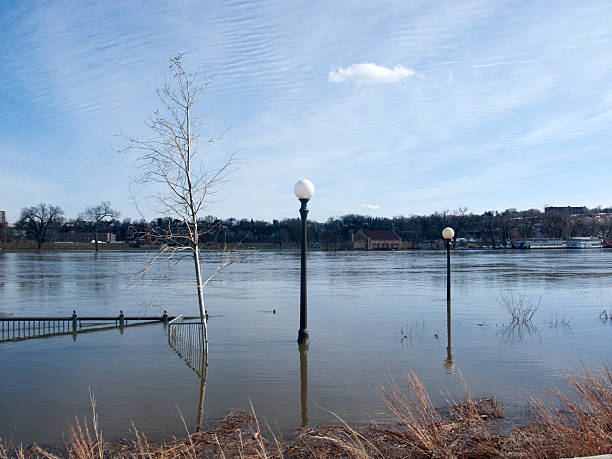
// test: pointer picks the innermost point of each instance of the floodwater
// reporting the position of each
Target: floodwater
(372, 316)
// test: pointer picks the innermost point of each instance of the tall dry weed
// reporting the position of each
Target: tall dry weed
(568, 426)
(422, 425)
(463, 433)
(82, 443)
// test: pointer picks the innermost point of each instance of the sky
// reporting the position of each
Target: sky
(388, 107)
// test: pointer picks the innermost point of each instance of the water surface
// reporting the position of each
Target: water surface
(372, 316)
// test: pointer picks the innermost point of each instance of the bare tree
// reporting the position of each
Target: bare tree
(457, 221)
(491, 218)
(555, 224)
(172, 161)
(38, 220)
(95, 215)
(605, 228)
(528, 222)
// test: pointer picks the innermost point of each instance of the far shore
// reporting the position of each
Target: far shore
(51, 247)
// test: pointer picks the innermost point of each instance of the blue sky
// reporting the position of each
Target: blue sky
(389, 107)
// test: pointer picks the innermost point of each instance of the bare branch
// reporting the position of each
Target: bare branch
(171, 158)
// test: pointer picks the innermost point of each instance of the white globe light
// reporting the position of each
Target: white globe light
(304, 189)
(448, 233)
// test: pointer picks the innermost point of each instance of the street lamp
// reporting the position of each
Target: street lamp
(448, 233)
(304, 189)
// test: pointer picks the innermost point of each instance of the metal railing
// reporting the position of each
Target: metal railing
(186, 339)
(22, 328)
(12, 329)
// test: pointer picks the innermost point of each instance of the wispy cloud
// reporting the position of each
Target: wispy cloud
(370, 206)
(369, 73)
(498, 64)
(538, 87)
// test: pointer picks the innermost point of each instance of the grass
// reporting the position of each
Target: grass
(578, 423)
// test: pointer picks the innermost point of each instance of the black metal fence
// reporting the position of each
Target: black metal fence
(21, 328)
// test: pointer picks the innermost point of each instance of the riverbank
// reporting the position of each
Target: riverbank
(568, 425)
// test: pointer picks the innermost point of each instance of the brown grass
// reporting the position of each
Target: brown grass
(565, 425)
(571, 426)
(426, 432)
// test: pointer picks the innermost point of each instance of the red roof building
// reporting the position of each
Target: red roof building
(376, 240)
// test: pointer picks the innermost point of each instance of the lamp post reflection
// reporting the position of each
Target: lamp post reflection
(303, 348)
(449, 363)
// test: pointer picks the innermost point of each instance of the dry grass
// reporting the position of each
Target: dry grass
(426, 432)
(571, 426)
(422, 425)
(564, 426)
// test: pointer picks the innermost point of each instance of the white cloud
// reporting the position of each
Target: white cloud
(370, 73)
(370, 206)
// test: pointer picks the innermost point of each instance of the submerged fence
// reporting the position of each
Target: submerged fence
(186, 338)
(22, 328)
(33, 327)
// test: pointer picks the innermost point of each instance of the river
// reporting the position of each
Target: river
(372, 316)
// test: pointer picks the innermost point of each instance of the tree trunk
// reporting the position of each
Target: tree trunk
(492, 238)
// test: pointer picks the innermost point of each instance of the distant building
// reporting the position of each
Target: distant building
(566, 210)
(376, 240)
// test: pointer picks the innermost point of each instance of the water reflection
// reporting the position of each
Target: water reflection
(449, 363)
(303, 348)
(515, 333)
(185, 338)
(202, 375)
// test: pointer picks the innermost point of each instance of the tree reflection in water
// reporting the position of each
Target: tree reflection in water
(185, 338)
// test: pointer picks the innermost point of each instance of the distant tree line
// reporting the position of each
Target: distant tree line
(491, 228)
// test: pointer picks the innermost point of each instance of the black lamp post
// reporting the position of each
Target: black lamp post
(447, 234)
(304, 189)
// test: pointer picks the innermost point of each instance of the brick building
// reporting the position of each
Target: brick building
(376, 240)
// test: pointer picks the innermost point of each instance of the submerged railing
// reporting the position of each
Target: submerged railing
(186, 339)
(22, 328)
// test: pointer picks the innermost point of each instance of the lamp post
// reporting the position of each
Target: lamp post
(447, 234)
(304, 189)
